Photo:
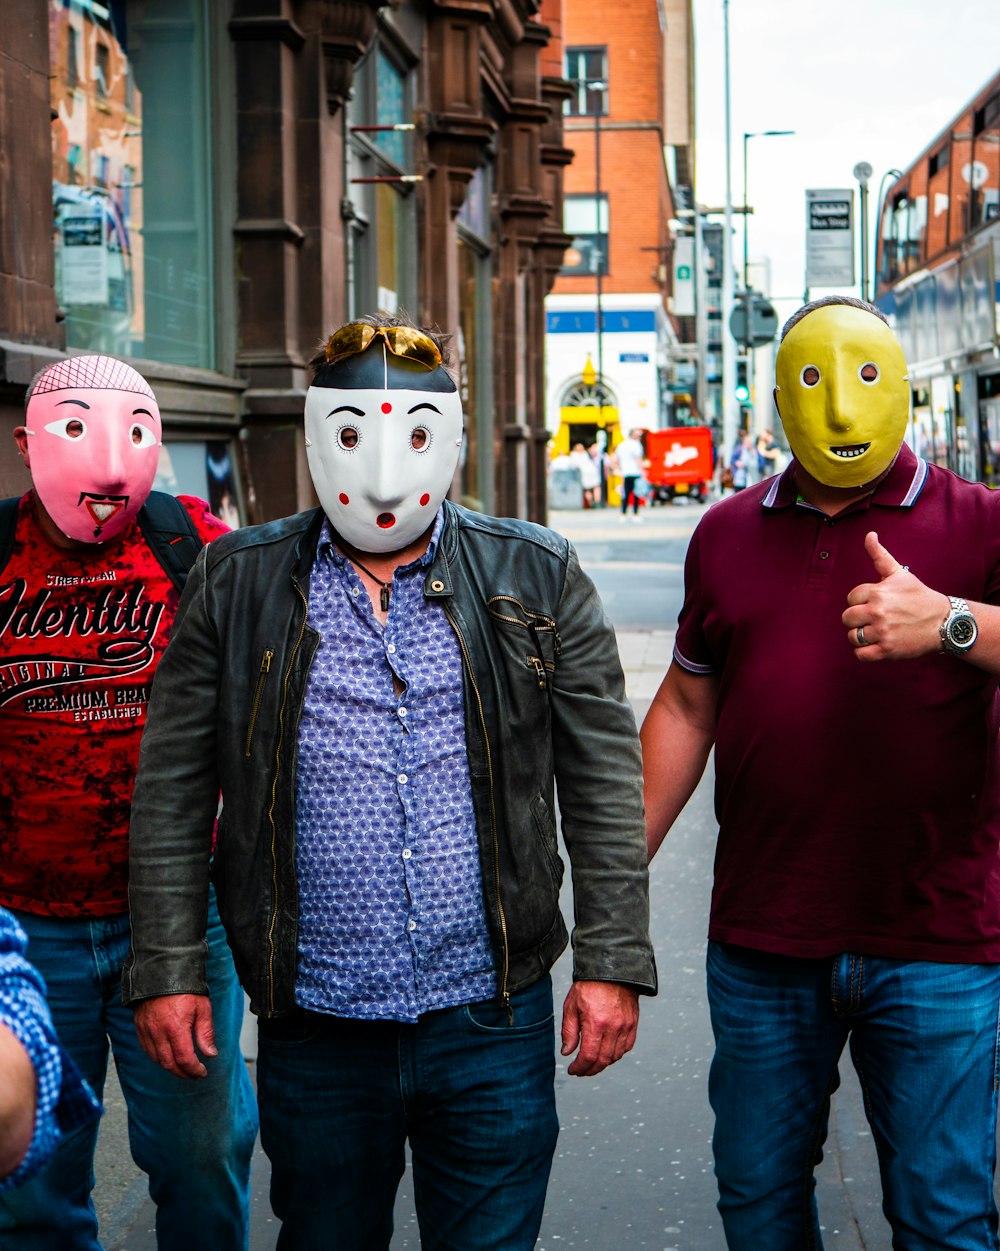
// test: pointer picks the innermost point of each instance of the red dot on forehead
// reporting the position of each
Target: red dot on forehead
(386, 407)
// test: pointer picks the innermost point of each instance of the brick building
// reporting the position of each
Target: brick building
(630, 124)
(207, 189)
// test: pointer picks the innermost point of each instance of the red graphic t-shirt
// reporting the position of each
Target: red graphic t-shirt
(80, 638)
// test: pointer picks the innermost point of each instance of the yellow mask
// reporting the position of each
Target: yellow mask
(842, 394)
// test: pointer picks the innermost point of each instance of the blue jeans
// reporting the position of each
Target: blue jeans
(923, 1039)
(194, 1138)
(473, 1094)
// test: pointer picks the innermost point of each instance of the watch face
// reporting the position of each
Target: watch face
(962, 631)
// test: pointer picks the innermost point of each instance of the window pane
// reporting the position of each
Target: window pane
(131, 178)
(390, 110)
(584, 67)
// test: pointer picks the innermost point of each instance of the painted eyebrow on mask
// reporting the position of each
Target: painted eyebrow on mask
(417, 407)
(78, 402)
(346, 408)
(145, 412)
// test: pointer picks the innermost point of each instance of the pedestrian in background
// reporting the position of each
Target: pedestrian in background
(845, 669)
(768, 455)
(387, 863)
(589, 477)
(742, 459)
(629, 458)
(92, 560)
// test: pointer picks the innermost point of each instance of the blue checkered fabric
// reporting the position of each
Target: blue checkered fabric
(65, 1101)
(392, 922)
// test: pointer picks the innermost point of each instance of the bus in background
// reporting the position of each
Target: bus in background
(936, 277)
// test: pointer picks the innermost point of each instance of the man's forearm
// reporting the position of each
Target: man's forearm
(18, 1101)
(676, 736)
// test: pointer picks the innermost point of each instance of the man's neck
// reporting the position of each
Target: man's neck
(828, 499)
(384, 564)
(55, 536)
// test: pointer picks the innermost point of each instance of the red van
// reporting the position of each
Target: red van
(679, 462)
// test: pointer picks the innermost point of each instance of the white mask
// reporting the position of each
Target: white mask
(382, 460)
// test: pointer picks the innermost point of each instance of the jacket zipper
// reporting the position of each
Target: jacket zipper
(265, 668)
(274, 799)
(504, 992)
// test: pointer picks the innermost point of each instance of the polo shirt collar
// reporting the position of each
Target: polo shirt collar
(900, 488)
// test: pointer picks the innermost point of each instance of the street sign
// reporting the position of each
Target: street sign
(762, 325)
(830, 238)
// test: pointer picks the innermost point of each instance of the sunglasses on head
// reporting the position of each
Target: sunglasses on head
(403, 341)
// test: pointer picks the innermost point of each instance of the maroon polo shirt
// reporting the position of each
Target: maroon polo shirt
(858, 804)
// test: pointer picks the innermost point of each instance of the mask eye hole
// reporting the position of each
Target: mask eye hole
(142, 436)
(810, 376)
(868, 373)
(420, 439)
(348, 438)
(68, 428)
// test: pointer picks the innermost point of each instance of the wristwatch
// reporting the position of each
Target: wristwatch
(958, 630)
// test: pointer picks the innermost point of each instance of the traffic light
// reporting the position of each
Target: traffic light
(742, 390)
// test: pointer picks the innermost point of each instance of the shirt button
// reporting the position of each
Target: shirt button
(391, 649)
(407, 853)
(412, 926)
(402, 779)
(355, 592)
(824, 555)
(402, 712)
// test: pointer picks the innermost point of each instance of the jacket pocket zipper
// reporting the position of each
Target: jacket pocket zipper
(265, 668)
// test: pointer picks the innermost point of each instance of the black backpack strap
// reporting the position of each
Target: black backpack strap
(8, 525)
(167, 527)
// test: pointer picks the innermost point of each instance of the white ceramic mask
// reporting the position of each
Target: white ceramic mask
(382, 460)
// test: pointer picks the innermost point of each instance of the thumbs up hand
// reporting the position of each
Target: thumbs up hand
(896, 617)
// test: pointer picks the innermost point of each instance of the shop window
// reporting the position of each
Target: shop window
(380, 163)
(132, 195)
(585, 68)
(585, 217)
(474, 339)
(204, 468)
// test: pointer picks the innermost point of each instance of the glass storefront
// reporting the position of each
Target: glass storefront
(131, 186)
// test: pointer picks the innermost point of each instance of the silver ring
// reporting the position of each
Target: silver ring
(861, 637)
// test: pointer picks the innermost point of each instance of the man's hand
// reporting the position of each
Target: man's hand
(896, 618)
(601, 1018)
(170, 1027)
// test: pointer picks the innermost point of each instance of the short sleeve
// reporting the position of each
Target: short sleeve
(691, 648)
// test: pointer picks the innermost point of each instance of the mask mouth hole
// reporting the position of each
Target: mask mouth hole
(849, 451)
(385, 521)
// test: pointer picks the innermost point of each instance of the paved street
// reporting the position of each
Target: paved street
(633, 1167)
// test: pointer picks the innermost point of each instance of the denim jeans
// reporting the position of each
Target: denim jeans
(473, 1093)
(193, 1138)
(923, 1039)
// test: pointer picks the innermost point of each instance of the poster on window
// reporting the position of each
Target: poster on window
(84, 269)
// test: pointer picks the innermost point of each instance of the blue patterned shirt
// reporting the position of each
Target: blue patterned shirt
(391, 915)
(65, 1101)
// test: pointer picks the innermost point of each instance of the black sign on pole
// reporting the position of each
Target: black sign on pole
(759, 327)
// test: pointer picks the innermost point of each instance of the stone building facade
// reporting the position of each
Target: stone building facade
(209, 188)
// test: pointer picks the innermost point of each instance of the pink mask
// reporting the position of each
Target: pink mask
(95, 437)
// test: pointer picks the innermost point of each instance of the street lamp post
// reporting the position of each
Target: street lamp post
(747, 136)
(599, 86)
(862, 172)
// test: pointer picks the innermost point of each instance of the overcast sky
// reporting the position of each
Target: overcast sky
(857, 80)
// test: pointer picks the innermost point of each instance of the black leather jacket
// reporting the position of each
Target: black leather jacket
(545, 703)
